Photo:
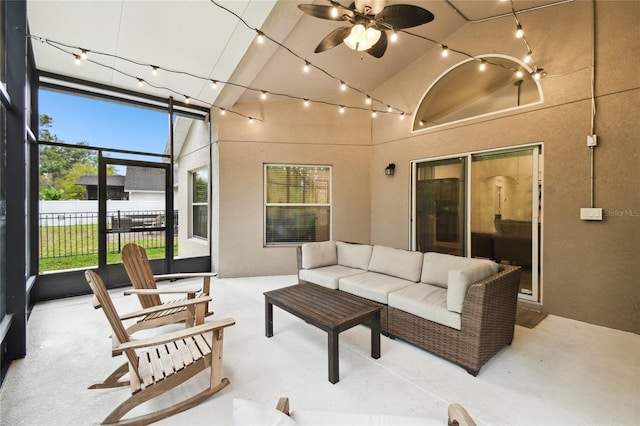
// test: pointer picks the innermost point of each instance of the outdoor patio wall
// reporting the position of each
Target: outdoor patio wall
(590, 269)
(193, 155)
(287, 132)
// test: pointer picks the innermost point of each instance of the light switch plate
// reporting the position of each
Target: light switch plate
(591, 213)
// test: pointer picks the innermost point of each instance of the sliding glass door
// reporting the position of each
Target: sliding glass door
(484, 205)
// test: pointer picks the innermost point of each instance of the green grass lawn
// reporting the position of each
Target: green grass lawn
(69, 247)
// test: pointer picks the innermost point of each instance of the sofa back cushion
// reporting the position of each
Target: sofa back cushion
(460, 280)
(316, 255)
(436, 267)
(395, 262)
(354, 255)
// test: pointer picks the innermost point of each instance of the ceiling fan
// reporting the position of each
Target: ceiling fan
(369, 21)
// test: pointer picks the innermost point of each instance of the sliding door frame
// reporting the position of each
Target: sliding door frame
(537, 204)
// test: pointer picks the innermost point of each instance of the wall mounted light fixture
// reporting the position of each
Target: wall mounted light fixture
(390, 169)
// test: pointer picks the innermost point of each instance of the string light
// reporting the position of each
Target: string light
(394, 36)
(223, 111)
(250, 120)
(187, 100)
(341, 109)
(84, 53)
(260, 37)
(154, 70)
(263, 95)
(519, 74)
(374, 113)
(306, 102)
(389, 109)
(402, 116)
(483, 65)
(343, 86)
(306, 66)
(140, 82)
(528, 56)
(519, 31)
(77, 59)
(368, 100)
(214, 84)
(445, 51)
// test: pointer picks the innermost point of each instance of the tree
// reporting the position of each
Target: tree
(61, 167)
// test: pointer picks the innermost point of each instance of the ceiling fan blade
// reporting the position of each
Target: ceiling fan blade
(334, 38)
(401, 16)
(378, 49)
(324, 12)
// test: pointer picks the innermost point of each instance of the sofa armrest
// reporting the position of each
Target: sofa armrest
(489, 310)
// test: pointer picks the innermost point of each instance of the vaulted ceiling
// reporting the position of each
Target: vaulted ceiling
(204, 40)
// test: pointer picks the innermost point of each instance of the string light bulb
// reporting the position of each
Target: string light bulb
(223, 111)
(260, 37)
(250, 120)
(519, 31)
(389, 109)
(306, 66)
(214, 84)
(341, 109)
(483, 65)
(519, 74)
(140, 82)
(527, 58)
(77, 59)
(154, 70)
(368, 100)
(394, 36)
(84, 53)
(187, 100)
(306, 102)
(445, 51)
(374, 113)
(343, 86)
(402, 116)
(263, 95)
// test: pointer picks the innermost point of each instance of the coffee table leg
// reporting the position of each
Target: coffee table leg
(334, 368)
(375, 336)
(268, 318)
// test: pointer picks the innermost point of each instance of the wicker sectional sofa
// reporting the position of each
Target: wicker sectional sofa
(459, 308)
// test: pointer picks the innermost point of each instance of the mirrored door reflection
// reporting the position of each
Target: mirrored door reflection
(504, 212)
(440, 206)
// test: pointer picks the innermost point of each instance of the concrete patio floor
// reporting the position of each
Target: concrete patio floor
(562, 372)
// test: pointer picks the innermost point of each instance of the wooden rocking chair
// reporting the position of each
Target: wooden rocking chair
(170, 360)
(136, 263)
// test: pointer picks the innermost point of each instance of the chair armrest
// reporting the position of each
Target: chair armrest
(188, 290)
(176, 335)
(283, 405)
(181, 275)
(166, 306)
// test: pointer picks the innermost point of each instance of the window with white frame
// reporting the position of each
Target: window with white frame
(200, 203)
(297, 203)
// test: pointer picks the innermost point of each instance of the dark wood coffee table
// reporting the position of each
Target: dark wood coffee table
(330, 310)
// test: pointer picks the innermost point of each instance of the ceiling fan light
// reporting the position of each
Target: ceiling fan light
(373, 35)
(357, 39)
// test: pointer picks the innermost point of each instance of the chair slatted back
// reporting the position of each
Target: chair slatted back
(136, 263)
(119, 331)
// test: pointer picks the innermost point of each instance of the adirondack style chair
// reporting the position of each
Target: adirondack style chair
(136, 263)
(158, 364)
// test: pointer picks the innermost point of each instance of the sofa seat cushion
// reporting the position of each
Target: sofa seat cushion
(436, 267)
(354, 255)
(460, 280)
(372, 286)
(328, 276)
(426, 301)
(396, 262)
(316, 255)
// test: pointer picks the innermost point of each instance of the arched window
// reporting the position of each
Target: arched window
(466, 91)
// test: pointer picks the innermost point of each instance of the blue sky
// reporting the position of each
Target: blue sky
(105, 124)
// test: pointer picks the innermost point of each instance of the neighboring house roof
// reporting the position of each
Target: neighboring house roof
(112, 180)
(144, 179)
